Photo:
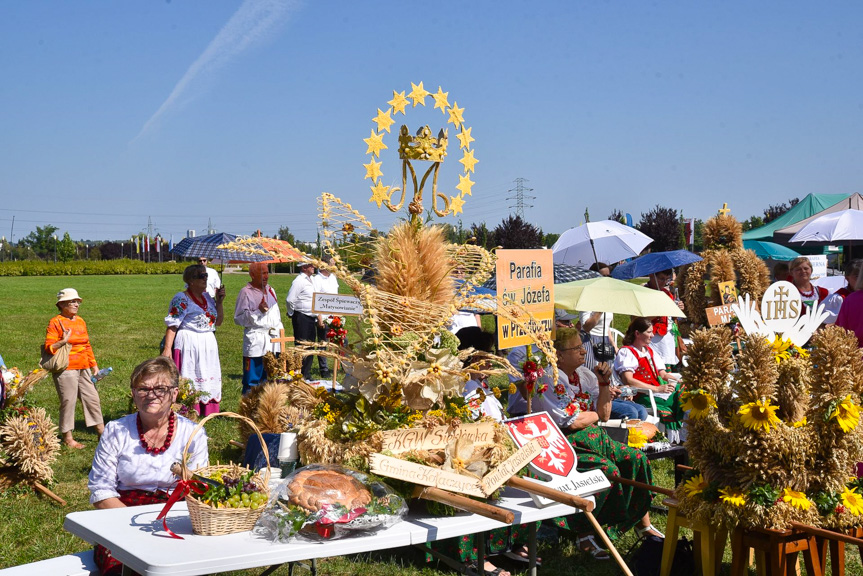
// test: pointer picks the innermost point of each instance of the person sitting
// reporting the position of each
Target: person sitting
(622, 507)
(132, 463)
(852, 273)
(851, 314)
(666, 341)
(812, 295)
(639, 367)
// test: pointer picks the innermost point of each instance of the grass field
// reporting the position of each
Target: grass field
(125, 319)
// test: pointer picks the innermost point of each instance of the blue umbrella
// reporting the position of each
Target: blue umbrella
(654, 262)
(207, 247)
(770, 250)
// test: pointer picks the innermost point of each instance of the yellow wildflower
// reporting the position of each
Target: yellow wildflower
(695, 485)
(852, 501)
(759, 414)
(636, 438)
(698, 403)
(732, 496)
(799, 423)
(496, 392)
(435, 369)
(780, 348)
(796, 499)
(847, 414)
(512, 389)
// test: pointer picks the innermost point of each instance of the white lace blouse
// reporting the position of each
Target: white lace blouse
(121, 463)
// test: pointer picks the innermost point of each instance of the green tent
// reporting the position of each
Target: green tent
(809, 206)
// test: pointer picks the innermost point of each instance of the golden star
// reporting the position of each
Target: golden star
(383, 120)
(418, 94)
(380, 193)
(456, 204)
(376, 144)
(465, 184)
(398, 102)
(464, 137)
(440, 100)
(373, 170)
(468, 161)
(455, 115)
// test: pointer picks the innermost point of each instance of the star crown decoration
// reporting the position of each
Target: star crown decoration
(423, 146)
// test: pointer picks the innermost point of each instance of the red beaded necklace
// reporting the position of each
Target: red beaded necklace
(168, 437)
(202, 304)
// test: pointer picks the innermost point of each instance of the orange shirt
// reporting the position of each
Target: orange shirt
(81, 354)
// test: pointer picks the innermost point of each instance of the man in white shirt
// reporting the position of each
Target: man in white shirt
(257, 311)
(213, 280)
(303, 321)
(325, 282)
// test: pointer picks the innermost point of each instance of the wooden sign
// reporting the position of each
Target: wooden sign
(718, 315)
(510, 467)
(525, 277)
(336, 304)
(437, 438)
(424, 475)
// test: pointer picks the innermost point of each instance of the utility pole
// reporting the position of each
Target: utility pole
(520, 196)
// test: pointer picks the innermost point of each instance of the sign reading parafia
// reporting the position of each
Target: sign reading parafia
(525, 277)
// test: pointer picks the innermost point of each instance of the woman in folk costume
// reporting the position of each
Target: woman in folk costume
(190, 338)
(810, 294)
(666, 338)
(639, 366)
(569, 404)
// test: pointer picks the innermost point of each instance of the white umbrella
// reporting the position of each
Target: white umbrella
(604, 241)
(835, 227)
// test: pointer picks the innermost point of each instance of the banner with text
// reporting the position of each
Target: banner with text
(525, 277)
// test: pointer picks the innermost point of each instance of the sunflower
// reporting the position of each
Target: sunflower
(695, 485)
(759, 414)
(781, 348)
(847, 414)
(698, 403)
(637, 439)
(796, 499)
(732, 496)
(853, 501)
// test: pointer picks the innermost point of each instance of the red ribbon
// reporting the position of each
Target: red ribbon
(325, 526)
(184, 487)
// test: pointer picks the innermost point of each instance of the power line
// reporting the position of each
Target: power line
(520, 196)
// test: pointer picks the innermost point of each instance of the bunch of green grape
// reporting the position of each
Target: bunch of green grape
(253, 500)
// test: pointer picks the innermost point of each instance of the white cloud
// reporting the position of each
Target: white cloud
(253, 22)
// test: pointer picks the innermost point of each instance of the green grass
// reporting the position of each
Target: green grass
(125, 319)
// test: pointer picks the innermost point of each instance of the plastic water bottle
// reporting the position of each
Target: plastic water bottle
(101, 374)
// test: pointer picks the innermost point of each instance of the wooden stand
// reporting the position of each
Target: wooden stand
(778, 550)
(837, 552)
(709, 542)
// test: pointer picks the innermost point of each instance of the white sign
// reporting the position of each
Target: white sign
(781, 306)
(336, 304)
(819, 266)
(556, 463)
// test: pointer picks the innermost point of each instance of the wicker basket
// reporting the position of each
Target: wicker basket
(209, 521)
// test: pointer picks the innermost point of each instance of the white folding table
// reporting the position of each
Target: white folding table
(138, 540)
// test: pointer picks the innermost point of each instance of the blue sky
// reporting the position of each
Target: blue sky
(243, 112)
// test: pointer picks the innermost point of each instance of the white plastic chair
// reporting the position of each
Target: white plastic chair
(652, 412)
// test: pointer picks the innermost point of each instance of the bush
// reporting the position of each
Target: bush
(89, 267)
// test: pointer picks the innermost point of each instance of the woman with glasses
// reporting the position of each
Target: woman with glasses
(192, 319)
(75, 381)
(579, 400)
(132, 464)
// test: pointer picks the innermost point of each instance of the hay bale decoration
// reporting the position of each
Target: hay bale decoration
(774, 444)
(405, 371)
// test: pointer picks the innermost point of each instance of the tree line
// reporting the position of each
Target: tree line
(665, 225)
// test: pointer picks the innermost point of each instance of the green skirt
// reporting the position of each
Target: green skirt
(670, 409)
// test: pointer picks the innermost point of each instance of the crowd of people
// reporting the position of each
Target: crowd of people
(597, 380)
